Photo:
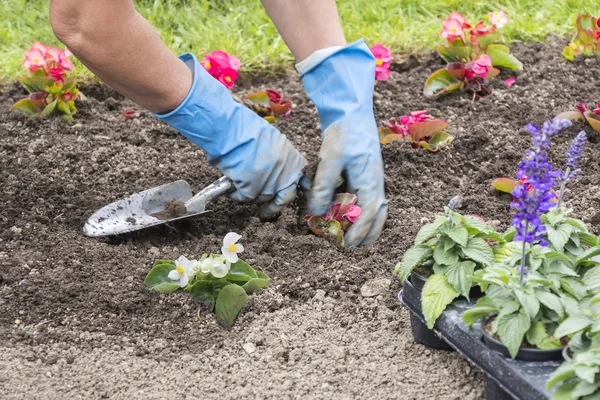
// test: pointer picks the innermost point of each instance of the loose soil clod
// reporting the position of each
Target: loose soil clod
(173, 209)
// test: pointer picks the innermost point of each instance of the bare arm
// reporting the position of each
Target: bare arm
(306, 25)
(120, 47)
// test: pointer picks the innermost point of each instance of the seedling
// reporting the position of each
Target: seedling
(418, 129)
(51, 90)
(340, 216)
(269, 104)
(586, 40)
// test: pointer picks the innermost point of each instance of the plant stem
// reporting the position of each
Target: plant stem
(563, 183)
(523, 252)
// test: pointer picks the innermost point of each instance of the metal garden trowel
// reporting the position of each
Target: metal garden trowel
(170, 202)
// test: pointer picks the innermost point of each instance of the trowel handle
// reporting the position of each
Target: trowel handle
(216, 189)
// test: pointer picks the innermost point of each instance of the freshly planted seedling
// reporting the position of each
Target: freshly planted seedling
(51, 90)
(222, 66)
(586, 40)
(340, 216)
(269, 104)
(583, 113)
(579, 378)
(220, 281)
(472, 55)
(418, 129)
(383, 60)
(449, 249)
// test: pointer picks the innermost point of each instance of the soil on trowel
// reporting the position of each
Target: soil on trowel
(173, 209)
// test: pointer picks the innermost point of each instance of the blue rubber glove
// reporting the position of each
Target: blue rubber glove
(341, 87)
(262, 163)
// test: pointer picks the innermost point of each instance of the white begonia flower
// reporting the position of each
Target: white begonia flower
(183, 269)
(230, 248)
(218, 267)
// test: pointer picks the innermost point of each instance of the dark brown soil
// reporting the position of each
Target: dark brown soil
(173, 209)
(67, 297)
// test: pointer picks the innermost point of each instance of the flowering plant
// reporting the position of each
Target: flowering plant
(222, 66)
(418, 129)
(269, 104)
(51, 91)
(585, 114)
(220, 281)
(340, 216)
(448, 250)
(470, 61)
(383, 60)
(587, 38)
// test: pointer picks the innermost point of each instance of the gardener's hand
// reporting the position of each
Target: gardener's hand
(262, 163)
(341, 86)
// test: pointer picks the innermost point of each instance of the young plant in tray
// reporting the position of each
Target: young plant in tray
(340, 216)
(418, 129)
(51, 90)
(472, 56)
(269, 104)
(586, 40)
(447, 251)
(220, 281)
(584, 113)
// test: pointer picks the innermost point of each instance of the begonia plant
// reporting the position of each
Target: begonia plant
(269, 104)
(383, 60)
(222, 66)
(418, 129)
(472, 56)
(340, 216)
(584, 113)
(586, 40)
(220, 281)
(51, 90)
(449, 250)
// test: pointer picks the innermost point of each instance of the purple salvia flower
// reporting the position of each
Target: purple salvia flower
(575, 150)
(455, 202)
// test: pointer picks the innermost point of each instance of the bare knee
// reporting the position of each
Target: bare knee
(64, 17)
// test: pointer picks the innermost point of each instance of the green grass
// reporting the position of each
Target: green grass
(242, 27)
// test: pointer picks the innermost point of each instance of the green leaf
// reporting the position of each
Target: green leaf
(505, 185)
(589, 253)
(444, 257)
(459, 234)
(438, 141)
(571, 325)
(587, 372)
(592, 279)
(471, 316)
(551, 301)
(241, 272)
(564, 372)
(579, 225)
(437, 294)
(412, 258)
(487, 40)
(584, 388)
(256, 283)
(506, 308)
(537, 336)
(574, 287)
(429, 230)
(530, 303)
(557, 256)
(589, 239)
(230, 302)
(479, 251)
(512, 329)
(459, 276)
(560, 236)
(454, 53)
(202, 292)
(440, 82)
(502, 58)
(158, 279)
(25, 106)
(49, 109)
(476, 223)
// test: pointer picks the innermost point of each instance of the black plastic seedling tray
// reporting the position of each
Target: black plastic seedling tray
(504, 378)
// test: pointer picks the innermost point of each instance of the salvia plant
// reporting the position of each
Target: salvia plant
(220, 281)
(269, 104)
(584, 113)
(51, 90)
(586, 40)
(222, 66)
(472, 55)
(449, 250)
(418, 129)
(579, 378)
(340, 216)
(383, 61)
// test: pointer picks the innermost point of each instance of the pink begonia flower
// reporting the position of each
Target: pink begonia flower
(225, 60)
(228, 77)
(399, 129)
(56, 55)
(480, 29)
(469, 74)
(353, 213)
(510, 81)
(498, 19)
(582, 107)
(34, 59)
(452, 29)
(40, 46)
(460, 18)
(482, 65)
(383, 58)
(415, 117)
(597, 109)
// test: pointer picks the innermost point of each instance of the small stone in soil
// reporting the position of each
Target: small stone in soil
(374, 287)
(250, 348)
(173, 209)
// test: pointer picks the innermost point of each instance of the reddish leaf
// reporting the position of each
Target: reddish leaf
(505, 185)
(457, 70)
(317, 225)
(426, 129)
(593, 119)
(38, 100)
(493, 72)
(282, 109)
(570, 115)
(25, 106)
(131, 114)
